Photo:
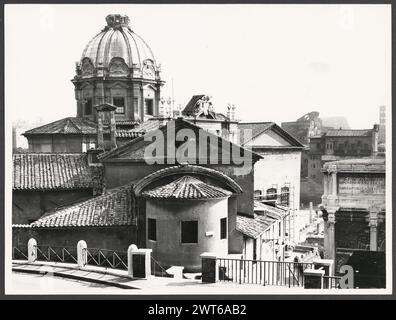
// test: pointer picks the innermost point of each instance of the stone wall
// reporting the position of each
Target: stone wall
(112, 238)
(28, 206)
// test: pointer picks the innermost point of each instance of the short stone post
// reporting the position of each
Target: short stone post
(147, 261)
(210, 271)
(32, 250)
(313, 278)
(131, 249)
(82, 255)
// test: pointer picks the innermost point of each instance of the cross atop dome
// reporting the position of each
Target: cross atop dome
(117, 20)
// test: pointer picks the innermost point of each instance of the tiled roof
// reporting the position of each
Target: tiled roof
(128, 134)
(136, 149)
(47, 171)
(187, 187)
(140, 185)
(151, 124)
(127, 122)
(68, 125)
(114, 208)
(258, 128)
(349, 133)
(254, 227)
(76, 125)
(266, 209)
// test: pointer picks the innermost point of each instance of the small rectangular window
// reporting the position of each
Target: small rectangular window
(148, 107)
(119, 102)
(189, 231)
(223, 228)
(152, 229)
(88, 107)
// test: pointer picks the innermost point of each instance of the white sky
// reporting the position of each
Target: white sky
(274, 62)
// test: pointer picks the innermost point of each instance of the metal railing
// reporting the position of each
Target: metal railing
(157, 270)
(20, 253)
(266, 273)
(57, 254)
(330, 282)
(107, 258)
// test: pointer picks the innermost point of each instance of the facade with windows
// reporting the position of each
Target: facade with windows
(339, 145)
(277, 174)
(196, 212)
(264, 235)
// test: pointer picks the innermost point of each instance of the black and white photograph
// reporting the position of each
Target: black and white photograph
(198, 149)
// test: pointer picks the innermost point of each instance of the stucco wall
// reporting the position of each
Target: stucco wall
(279, 168)
(168, 249)
(55, 143)
(28, 206)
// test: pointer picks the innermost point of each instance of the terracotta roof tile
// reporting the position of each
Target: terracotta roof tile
(254, 227)
(76, 125)
(128, 134)
(114, 208)
(48, 171)
(187, 187)
(266, 209)
(349, 133)
(68, 125)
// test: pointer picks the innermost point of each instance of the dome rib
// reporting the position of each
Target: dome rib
(84, 54)
(105, 58)
(128, 45)
(118, 40)
(137, 49)
(97, 51)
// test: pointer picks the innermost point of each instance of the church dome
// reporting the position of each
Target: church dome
(118, 51)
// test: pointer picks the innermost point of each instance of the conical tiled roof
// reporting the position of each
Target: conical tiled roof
(187, 187)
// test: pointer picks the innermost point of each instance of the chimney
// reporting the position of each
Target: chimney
(375, 139)
(102, 110)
